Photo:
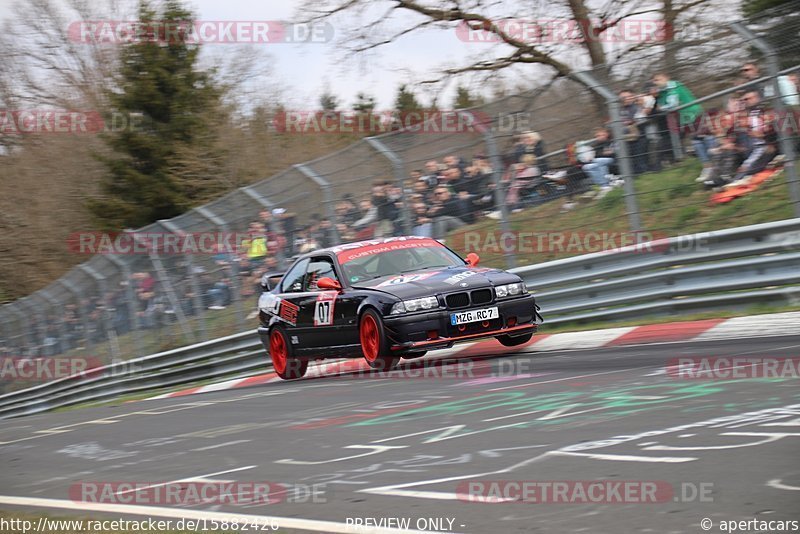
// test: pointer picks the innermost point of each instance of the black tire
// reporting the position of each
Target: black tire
(510, 341)
(281, 352)
(416, 354)
(374, 343)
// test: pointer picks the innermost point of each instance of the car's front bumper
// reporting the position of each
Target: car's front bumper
(432, 330)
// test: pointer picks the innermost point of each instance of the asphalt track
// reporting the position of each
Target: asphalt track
(405, 447)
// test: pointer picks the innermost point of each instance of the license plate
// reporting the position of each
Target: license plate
(473, 316)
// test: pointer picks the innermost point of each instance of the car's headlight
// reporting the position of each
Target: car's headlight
(510, 290)
(425, 303)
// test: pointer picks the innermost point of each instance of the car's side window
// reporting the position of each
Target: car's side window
(293, 280)
(319, 268)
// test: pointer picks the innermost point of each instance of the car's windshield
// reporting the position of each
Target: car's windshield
(382, 262)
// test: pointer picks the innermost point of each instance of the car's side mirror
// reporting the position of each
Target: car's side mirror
(473, 259)
(270, 281)
(329, 283)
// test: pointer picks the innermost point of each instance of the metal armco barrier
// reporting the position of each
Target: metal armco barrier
(696, 273)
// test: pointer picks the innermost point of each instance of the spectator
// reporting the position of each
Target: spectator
(635, 137)
(673, 94)
(255, 246)
(422, 224)
(786, 85)
(432, 174)
(760, 144)
(531, 143)
(523, 176)
(655, 127)
(446, 212)
(598, 167)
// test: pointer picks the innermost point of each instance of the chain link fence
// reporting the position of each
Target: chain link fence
(606, 151)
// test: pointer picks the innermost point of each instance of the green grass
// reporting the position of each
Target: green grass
(671, 203)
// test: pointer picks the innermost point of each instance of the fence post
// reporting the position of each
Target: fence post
(233, 267)
(76, 294)
(497, 176)
(100, 280)
(327, 191)
(61, 344)
(23, 332)
(618, 129)
(130, 297)
(771, 57)
(399, 176)
(268, 204)
(166, 285)
(197, 301)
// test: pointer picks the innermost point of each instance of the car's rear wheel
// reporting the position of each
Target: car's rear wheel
(284, 363)
(374, 344)
(513, 341)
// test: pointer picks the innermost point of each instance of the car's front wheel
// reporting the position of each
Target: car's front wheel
(513, 341)
(281, 351)
(374, 344)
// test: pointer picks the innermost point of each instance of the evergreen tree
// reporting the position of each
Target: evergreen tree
(160, 84)
(464, 99)
(328, 101)
(406, 101)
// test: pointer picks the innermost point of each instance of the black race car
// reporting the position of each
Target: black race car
(387, 299)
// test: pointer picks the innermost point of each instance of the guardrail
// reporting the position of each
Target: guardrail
(700, 272)
(693, 273)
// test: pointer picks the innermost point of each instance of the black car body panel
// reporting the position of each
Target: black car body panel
(323, 323)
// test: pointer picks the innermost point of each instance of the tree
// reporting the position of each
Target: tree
(160, 84)
(465, 100)
(782, 18)
(328, 101)
(405, 101)
(499, 22)
(364, 103)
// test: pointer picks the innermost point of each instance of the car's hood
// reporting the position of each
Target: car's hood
(432, 281)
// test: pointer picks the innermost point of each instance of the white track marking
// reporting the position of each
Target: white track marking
(774, 324)
(579, 340)
(397, 489)
(199, 478)
(778, 484)
(769, 438)
(376, 449)
(218, 445)
(627, 457)
(173, 513)
(555, 414)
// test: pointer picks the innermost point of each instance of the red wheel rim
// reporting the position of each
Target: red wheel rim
(370, 338)
(277, 351)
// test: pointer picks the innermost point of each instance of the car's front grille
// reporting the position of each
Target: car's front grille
(482, 296)
(457, 300)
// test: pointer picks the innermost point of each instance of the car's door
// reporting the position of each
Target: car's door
(287, 305)
(321, 307)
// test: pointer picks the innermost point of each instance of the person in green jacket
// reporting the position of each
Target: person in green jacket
(673, 94)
